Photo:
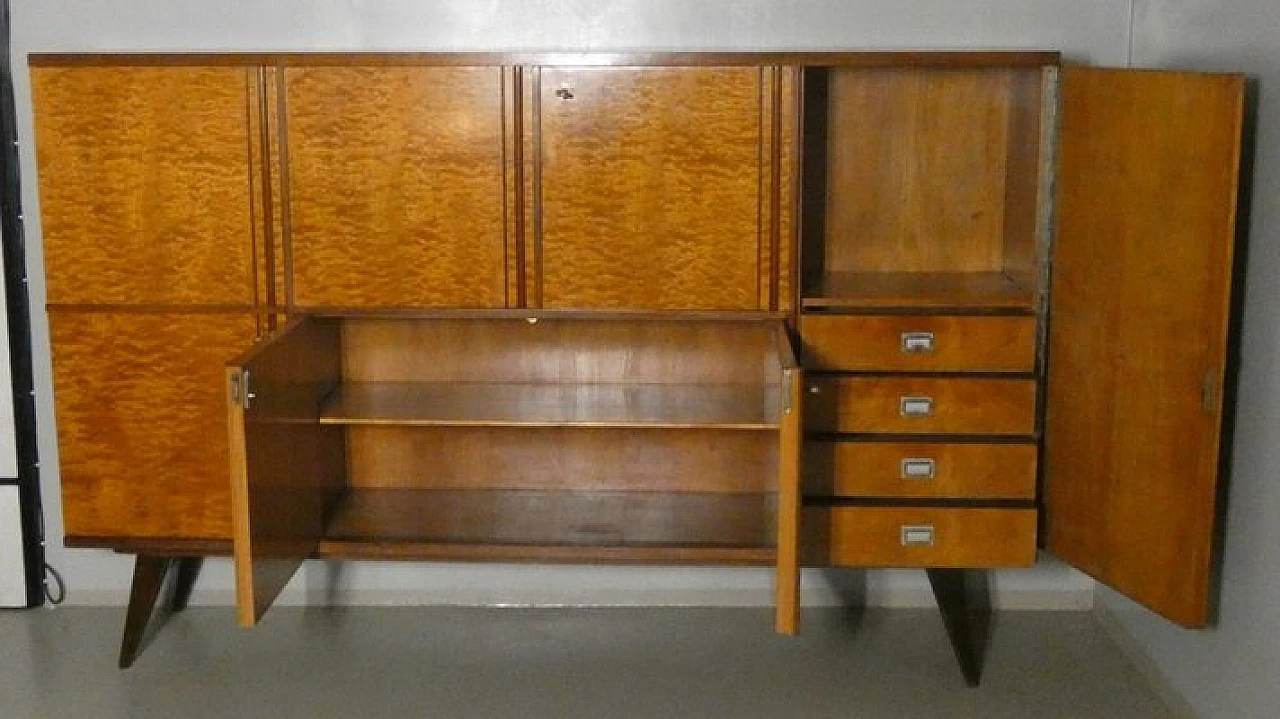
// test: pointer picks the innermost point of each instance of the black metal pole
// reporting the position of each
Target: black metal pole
(19, 307)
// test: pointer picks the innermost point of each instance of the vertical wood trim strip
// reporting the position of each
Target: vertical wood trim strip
(268, 203)
(253, 90)
(775, 187)
(537, 185)
(789, 199)
(286, 211)
(797, 195)
(513, 104)
(762, 152)
(787, 600)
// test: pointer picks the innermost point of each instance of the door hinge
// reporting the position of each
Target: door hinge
(240, 391)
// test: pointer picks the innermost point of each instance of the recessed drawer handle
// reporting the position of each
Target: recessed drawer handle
(917, 535)
(917, 342)
(918, 468)
(915, 406)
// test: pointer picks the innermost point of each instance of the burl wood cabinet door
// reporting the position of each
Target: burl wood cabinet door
(396, 187)
(651, 187)
(1142, 268)
(141, 422)
(145, 186)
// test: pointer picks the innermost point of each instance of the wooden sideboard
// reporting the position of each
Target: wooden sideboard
(541, 307)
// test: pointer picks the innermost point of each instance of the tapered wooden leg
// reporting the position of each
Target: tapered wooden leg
(187, 571)
(148, 578)
(965, 604)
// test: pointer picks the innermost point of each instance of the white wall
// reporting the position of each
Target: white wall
(1091, 30)
(1230, 671)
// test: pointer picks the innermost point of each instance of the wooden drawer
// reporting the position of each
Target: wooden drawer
(920, 405)
(920, 469)
(918, 343)
(919, 537)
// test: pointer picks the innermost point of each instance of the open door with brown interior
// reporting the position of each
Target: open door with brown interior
(1139, 308)
(286, 469)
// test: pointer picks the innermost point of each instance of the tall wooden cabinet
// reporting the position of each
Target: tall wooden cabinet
(544, 308)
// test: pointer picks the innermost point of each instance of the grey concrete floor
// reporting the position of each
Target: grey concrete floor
(443, 662)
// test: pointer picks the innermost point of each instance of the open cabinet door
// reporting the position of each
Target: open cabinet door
(286, 469)
(1139, 307)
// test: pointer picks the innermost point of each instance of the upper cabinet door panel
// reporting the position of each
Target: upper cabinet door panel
(396, 186)
(1148, 167)
(145, 184)
(650, 192)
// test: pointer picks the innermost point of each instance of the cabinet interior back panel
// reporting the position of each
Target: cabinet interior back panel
(650, 190)
(917, 161)
(396, 186)
(144, 184)
(561, 459)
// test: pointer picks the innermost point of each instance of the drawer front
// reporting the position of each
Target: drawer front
(909, 343)
(920, 405)
(920, 469)
(919, 537)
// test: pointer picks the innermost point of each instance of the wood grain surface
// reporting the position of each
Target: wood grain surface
(970, 538)
(1140, 306)
(144, 180)
(790, 503)
(788, 194)
(141, 410)
(649, 188)
(960, 471)
(680, 351)
(959, 406)
(937, 291)
(396, 190)
(559, 404)
(287, 470)
(545, 518)
(875, 343)
(916, 169)
(650, 554)
(652, 460)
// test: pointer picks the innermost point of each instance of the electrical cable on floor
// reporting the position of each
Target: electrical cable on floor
(61, 595)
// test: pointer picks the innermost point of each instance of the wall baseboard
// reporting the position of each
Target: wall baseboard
(888, 597)
(1142, 662)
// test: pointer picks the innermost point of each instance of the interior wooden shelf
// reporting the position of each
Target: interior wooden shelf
(516, 404)
(537, 525)
(953, 290)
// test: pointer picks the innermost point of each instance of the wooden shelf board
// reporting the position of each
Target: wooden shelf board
(545, 554)
(966, 290)
(537, 525)
(493, 404)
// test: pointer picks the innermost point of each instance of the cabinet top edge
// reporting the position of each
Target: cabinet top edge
(851, 58)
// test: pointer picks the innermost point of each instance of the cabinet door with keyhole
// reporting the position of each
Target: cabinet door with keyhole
(650, 187)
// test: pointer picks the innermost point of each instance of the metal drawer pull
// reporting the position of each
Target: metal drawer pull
(915, 406)
(920, 535)
(917, 342)
(918, 468)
